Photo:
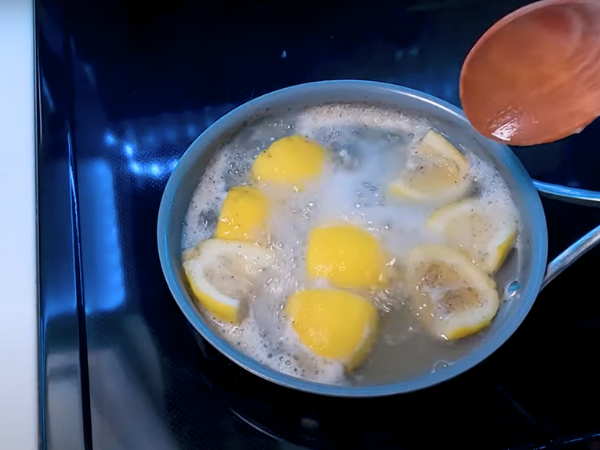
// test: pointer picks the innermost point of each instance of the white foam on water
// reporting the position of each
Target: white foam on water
(368, 149)
(286, 354)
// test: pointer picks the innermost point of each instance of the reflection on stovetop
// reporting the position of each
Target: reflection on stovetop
(479, 409)
(125, 87)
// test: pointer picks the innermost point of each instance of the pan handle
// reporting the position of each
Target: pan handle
(568, 194)
(582, 245)
(571, 254)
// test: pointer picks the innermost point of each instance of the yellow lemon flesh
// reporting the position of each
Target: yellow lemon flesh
(334, 324)
(452, 296)
(347, 256)
(485, 233)
(436, 172)
(243, 215)
(223, 274)
(291, 160)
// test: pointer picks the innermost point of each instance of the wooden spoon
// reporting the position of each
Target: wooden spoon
(534, 76)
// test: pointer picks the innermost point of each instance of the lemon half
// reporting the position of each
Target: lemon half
(243, 216)
(452, 296)
(334, 324)
(291, 161)
(345, 255)
(436, 172)
(485, 234)
(222, 275)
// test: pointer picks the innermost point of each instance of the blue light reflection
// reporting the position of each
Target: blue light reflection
(128, 150)
(102, 259)
(136, 167)
(109, 138)
(155, 170)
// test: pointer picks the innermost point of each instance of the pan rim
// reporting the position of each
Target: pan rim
(530, 289)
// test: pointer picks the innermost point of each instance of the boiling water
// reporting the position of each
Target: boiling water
(369, 148)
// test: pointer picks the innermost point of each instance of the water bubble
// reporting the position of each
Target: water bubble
(441, 365)
(511, 289)
(370, 186)
(208, 217)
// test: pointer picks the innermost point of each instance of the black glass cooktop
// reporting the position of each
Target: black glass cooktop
(124, 86)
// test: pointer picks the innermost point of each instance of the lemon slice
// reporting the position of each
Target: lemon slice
(452, 296)
(334, 324)
(222, 275)
(486, 233)
(436, 172)
(345, 255)
(290, 161)
(243, 215)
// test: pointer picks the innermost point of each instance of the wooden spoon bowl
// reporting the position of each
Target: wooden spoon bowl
(534, 76)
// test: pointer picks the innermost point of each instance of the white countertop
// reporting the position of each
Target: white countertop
(18, 260)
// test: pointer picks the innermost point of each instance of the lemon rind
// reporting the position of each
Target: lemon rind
(316, 268)
(403, 190)
(221, 306)
(497, 248)
(318, 154)
(225, 229)
(362, 349)
(443, 147)
(440, 146)
(197, 260)
(457, 325)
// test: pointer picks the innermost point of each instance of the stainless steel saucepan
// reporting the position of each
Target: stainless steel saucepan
(524, 275)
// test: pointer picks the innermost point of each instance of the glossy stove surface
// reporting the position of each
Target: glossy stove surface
(124, 88)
